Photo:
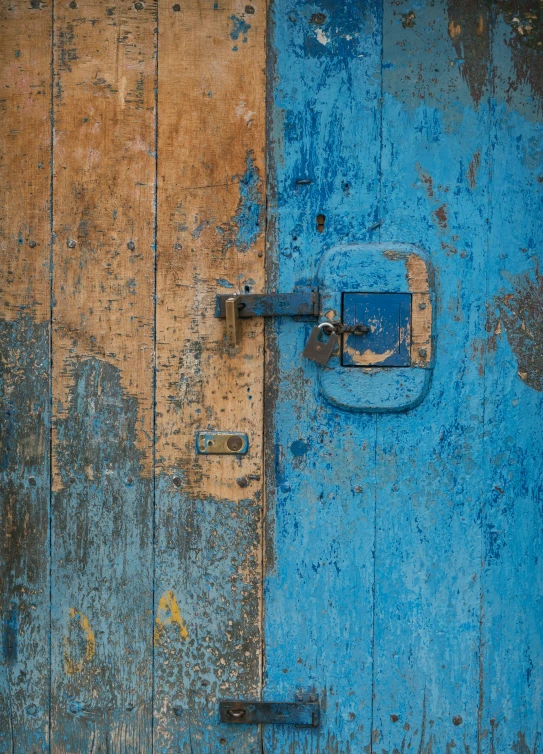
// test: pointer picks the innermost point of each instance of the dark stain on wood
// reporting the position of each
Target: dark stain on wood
(469, 31)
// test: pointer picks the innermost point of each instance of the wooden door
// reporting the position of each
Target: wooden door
(377, 547)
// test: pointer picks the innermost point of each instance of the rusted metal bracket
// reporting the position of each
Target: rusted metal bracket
(304, 302)
(303, 713)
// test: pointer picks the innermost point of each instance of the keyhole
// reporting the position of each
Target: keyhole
(321, 219)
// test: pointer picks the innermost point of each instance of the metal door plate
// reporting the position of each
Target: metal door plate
(222, 443)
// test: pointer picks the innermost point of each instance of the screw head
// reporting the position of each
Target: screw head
(138, 6)
(249, 10)
(131, 245)
(176, 481)
(234, 443)
(457, 720)
(422, 305)
(176, 7)
(32, 244)
(71, 244)
(178, 246)
(73, 4)
(423, 352)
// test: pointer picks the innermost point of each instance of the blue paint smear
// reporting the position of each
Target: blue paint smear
(239, 28)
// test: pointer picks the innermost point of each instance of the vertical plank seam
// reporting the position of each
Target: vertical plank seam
(376, 424)
(154, 386)
(481, 648)
(50, 382)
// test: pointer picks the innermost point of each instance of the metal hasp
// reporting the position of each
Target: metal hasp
(304, 302)
(304, 713)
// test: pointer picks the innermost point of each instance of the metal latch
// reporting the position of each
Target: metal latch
(304, 713)
(304, 302)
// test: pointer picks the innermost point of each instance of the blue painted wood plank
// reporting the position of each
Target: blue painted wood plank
(430, 461)
(324, 156)
(103, 283)
(512, 515)
(25, 407)
(24, 562)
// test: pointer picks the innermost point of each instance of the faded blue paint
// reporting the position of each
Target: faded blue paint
(24, 549)
(102, 562)
(404, 583)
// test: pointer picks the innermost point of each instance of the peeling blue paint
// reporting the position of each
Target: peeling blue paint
(249, 213)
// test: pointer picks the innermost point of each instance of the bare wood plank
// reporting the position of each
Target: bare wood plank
(210, 239)
(104, 189)
(25, 151)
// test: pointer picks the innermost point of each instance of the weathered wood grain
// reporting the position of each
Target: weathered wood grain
(324, 80)
(211, 205)
(430, 460)
(25, 155)
(103, 273)
(512, 512)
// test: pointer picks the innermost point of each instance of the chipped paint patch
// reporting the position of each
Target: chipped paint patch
(520, 313)
(247, 223)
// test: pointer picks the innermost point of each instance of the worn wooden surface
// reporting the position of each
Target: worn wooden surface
(211, 209)
(103, 283)
(25, 156)
(402, 577)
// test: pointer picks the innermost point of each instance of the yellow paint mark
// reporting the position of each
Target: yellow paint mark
(168, 612)
(71, 666)
(454, 30)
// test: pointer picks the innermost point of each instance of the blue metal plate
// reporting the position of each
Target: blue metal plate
(388, 343)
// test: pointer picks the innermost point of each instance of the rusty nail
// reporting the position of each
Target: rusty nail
(394, 718)
(129, 480)
(71, 244)
(423, 352)
(177, 481)
(72, 479)
(457, 720)
(32, 244)
(32, 481)
(422, 305)
(131, 245)
(176, 7)
(243, 481)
